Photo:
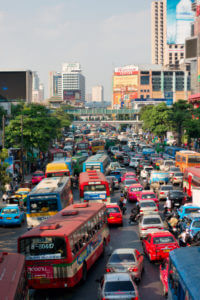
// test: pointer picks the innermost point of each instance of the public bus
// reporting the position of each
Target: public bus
(13, 279)
(186, 158)
(170, 152)
(93, 186)
(78, 163)
(69, 164)
(183, 274)
(191, 179)
(47, 198)
(83, 145)
(57, 169)
(98, 162)
(56, 154)
(62, 249)
(97, 145)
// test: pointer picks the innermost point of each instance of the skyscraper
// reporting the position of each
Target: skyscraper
(55, 84)
(97, 93)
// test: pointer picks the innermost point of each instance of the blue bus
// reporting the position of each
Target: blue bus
(69, 163)
(98, 162)
(170, 151)
(47, 198)
(184, 274)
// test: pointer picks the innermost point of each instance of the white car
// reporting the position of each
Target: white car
(146, 171)
(147, 207)
(150, 223)
(165, 166)
(134, 162)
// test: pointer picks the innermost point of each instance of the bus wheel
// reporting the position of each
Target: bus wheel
(84, 274)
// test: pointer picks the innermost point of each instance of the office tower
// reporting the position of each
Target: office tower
(97, 93)
(55, 84)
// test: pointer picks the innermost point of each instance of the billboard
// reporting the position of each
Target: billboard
(127, 70)
(179, 19)
(13, 85)
(71, 95)
(191, 48)
(125, 81)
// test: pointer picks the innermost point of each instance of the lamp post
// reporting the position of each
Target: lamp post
(22, 149)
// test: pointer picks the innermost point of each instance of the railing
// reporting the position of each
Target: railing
(101, 111)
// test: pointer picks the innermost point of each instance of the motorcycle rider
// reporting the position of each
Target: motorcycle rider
(135, 213)
(184, 238)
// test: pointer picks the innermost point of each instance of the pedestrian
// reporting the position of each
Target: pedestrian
(184, 238)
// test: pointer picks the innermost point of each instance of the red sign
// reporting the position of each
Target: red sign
(38, 272)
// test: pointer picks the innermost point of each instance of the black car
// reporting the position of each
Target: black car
(177, 197)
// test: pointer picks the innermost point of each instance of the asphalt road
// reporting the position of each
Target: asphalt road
(126, 236)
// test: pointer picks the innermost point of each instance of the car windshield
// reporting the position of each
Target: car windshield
(176, 193)
(178, 174)
(196, 224)
(122, 258)
(146, 204)
(148, 196)
(148, 221)
(129, 182)
(130, 176)
(9, 211)
(136, 189)
(112, 210)
(163, 240)
(118, 287)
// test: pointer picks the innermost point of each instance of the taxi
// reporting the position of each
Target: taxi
(129, 175)
(114, 214)
(157, 245)
(22, 193)
(37, 177)
(11, 214)
(134, 191)
(148, 195)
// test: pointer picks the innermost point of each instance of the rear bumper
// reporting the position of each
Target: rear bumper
(115, 221)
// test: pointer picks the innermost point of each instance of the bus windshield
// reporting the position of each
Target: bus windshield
(43, 248)
(46, 205)
(94, 188)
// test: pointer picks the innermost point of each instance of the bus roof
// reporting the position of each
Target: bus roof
(187, 153)
(62, 224)
(56, 166)
(187, 262)
(91, 176)
(50, 185)
(11, 267)
(194, 170)
(97, 158)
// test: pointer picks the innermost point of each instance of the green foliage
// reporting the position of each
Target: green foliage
(4, 177)
(64, 118)
(2, 112)
(17, 109)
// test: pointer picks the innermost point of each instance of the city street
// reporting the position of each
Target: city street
(126, 236)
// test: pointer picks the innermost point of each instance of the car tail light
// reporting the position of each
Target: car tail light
(108, 270)
(175, 178)
(17, 217)
(1, 218)
(156, 209)
(141, 210)
(143, 228)
(134, 269)
(161, 193)
(135, 298)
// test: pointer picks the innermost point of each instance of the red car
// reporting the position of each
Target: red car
(37, 177)
(164, 268)
(148, 195)
(129, 175)
(134, 191)
(157, 245)
(114, 214)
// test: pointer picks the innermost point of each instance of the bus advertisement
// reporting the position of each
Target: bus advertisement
(183, 274)
(13, 279)
(98, 162)
(60, 252)
(57, 169)
(94, 187)
(97, 145)
(186, 159)
(47, 198)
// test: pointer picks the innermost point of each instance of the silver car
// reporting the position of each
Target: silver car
(177, 178)
(147, 207)
(164, 190)
(149, 224)
(115, 286)
(126, 260)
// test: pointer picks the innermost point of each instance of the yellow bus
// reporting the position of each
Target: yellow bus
(97, 145)
(186, 158)
(57, 169)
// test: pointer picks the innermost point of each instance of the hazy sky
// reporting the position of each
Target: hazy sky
(100, 34)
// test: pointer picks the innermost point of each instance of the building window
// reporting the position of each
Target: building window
(144, 80)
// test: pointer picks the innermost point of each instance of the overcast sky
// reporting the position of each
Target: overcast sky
(100, 34)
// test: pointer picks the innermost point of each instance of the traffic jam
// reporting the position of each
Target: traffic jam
(100, 185)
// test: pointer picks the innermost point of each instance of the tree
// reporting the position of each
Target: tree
(4, 177)
(64, 118)
(2, 112)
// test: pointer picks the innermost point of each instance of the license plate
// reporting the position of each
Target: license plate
(176, 204)
(166, 250)
(8, 218)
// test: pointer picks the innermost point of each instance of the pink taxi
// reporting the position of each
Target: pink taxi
(129, 175)
(134, 192)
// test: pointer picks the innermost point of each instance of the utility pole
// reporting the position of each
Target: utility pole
(22, 149)
(3, 128)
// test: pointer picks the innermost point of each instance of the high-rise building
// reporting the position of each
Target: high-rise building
(73, 84)
(97, 93)
(55, 84)
(37, 89)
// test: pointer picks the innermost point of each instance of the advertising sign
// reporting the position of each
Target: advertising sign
(125, 81)
(179, 19)
(94, 196)
(71, 95)
(127, 70)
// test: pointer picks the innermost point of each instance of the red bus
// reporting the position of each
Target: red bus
(55, 154)
(62, 249)
(191, 179)
(83, 145)
(93, 186)
(13, 280)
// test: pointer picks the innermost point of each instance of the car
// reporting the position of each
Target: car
(129, 175)
(164, 191)
(146, 171)
(166, 164)
(37, 177)
(134, 191)
(164, 269)
(148, 195)
(134, 162)
(172, 170)
(192, 223)
(113, 166)
(117, 286)
(121, 170)
(126, 183)
(149, 224)
(177, 178)
(111, 183)
(187, 209)
(114, 214)
(147, 207)
(157, 245)
(22, 194)
(11, 214)
(128, 260)
(177, 198)
(114, 149)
